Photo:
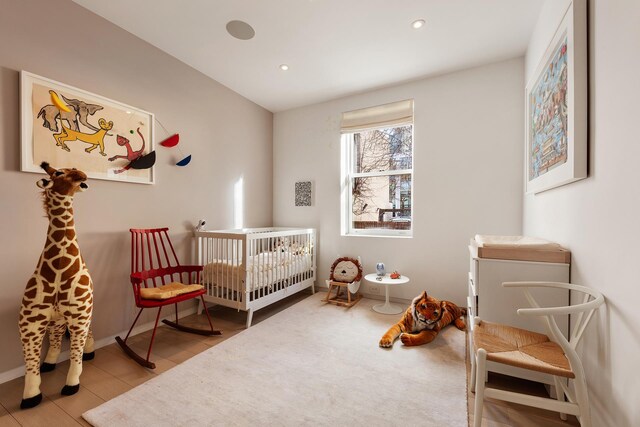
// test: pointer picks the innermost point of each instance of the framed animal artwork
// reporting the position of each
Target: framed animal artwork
(70, 127)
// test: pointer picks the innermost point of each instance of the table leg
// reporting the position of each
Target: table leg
(387, 307)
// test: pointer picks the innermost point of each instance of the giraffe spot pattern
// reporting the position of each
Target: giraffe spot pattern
(58, 211)
(62, 263)
(73, 250)
(52, 252)
(58, 223)
(85, 298)
(48, 288)
(65, 286)
(36, 318)
(71, 271)
(30, 294)
(32, 283)
(48, 275)
(58, 235)
(60, 292)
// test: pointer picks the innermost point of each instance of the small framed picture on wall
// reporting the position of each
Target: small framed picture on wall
(303, 193)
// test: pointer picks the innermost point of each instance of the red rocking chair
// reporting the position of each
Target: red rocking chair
(158, 279)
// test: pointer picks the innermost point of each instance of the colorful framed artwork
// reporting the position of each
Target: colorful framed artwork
(70, 127)
(556, 107)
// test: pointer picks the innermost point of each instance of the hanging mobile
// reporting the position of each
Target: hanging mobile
(173, 141)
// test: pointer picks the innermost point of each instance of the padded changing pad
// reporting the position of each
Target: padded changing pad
(518, 248)
(489, 241)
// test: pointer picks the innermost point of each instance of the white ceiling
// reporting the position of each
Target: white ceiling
(333, 47)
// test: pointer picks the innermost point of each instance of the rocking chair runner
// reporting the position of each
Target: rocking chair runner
(158, 280)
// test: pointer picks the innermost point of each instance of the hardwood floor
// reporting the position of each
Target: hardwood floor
(112, 373)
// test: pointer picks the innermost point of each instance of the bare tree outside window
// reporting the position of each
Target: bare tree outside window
(381, 178)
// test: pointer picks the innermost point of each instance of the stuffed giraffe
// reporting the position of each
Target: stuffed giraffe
(60, 292)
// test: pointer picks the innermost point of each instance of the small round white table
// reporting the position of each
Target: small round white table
(386, 308)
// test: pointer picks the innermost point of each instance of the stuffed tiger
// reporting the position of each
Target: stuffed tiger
(422, 321)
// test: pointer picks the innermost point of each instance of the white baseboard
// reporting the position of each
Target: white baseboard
(401, 301)
(12, 374)
(375, 296)
(64, 355)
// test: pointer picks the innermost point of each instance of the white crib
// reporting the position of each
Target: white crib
(251, 268)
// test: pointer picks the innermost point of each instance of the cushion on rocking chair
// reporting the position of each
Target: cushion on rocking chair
(171, 290)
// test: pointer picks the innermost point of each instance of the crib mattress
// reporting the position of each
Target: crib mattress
(262, 270)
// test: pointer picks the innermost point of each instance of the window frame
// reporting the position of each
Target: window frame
(349, 175)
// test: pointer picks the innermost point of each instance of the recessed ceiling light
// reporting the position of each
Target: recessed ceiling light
(418, 24)
(284, 67)
(240, 30)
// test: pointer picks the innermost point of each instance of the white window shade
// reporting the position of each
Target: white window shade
(393, 114)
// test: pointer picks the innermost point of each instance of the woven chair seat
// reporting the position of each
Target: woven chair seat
(170, 290)
(521, 348)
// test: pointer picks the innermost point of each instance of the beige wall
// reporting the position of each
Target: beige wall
(598, 217)
(228, 136)
(467, 174)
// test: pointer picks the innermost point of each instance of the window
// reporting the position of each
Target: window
(377, 170)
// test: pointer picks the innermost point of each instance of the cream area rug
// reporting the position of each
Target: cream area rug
(313, 364)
